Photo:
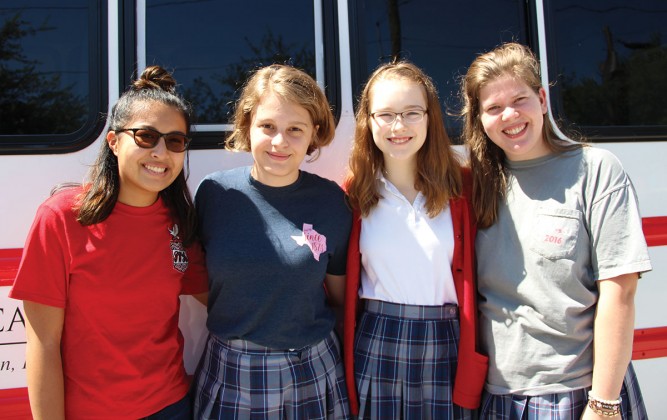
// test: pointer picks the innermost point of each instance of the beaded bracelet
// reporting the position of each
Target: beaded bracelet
(604, 408)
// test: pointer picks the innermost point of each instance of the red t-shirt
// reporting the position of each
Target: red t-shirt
(119, 282)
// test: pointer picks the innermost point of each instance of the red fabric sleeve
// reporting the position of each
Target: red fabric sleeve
(350, 320)
(195, 279)
(472, 365)
(44, 270)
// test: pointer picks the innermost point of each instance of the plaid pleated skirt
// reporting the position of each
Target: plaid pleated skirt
(405, 361)
(237, 379)
(563, 406)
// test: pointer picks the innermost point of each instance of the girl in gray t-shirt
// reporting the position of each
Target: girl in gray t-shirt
(560, 249)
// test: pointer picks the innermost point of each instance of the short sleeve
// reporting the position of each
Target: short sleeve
(44, 270)
(618, 243)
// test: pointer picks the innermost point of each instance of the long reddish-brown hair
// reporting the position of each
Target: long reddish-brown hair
(438, 174)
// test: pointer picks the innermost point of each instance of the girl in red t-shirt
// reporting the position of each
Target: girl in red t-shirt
(103, 267)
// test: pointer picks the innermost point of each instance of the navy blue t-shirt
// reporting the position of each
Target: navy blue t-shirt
(267, 252)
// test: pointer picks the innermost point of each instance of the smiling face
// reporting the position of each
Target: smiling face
(145, 172)
(280, 133)
(398, 141)
(512, 115)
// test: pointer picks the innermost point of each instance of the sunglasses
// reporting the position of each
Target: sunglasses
(147, 138)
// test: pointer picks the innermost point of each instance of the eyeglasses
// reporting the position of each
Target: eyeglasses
(147, 138)
(412, 116)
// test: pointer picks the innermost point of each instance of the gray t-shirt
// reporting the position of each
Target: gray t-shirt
(569, 220)
(268, 250)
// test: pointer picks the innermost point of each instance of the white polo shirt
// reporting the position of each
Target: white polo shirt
(406, 256)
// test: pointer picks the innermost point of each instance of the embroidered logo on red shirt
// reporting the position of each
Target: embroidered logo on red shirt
(315, 241)
(178, 254)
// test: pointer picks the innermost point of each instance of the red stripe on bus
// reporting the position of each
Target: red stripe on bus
(9, 265)
(15, 404)
(655, 230)
(647, 341)
(650, 343)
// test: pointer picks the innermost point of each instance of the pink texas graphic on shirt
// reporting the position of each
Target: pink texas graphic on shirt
(316, 242)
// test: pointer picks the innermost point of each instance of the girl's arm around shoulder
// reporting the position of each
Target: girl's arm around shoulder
(44, 368)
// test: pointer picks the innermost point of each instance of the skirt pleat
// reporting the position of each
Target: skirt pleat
(237, 379)
(405, 361)
(563, 405)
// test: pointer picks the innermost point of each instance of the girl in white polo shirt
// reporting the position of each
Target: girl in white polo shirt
(410, 267)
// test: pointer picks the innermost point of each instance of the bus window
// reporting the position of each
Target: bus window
(52, 89)
(213, 47)
(441, 37)
(609, 59)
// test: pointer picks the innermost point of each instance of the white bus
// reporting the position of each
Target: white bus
(62, 65)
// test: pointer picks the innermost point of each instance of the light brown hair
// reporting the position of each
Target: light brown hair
(487, 161)
(294, 86)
